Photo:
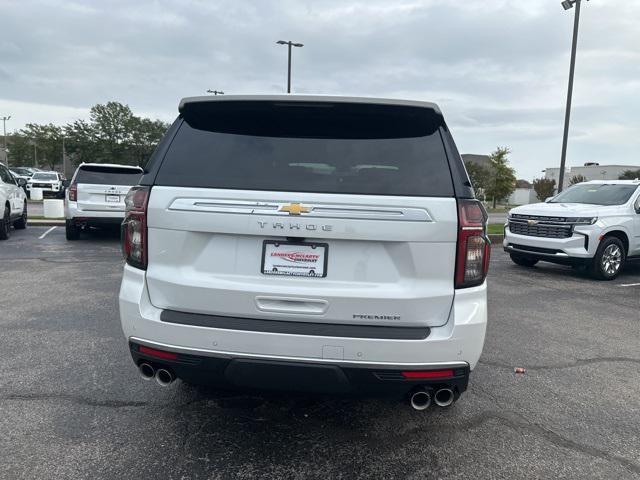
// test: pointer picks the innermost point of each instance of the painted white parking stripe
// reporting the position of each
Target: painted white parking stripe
(630, 285)
(46, 233)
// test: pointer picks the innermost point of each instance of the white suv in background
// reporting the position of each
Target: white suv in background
(48, 182)
(593, 224)
(324, 244)
(96, 194)
(13, 204)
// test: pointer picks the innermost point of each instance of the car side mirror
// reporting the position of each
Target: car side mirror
(637, 205)
(22, 182)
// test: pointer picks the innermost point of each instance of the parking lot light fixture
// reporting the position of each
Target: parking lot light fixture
(567, 5)
(4, 138)
(290, 44)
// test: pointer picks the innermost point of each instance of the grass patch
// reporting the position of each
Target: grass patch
(495, 229)
(41, 217)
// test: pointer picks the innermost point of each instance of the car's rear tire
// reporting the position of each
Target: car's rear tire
(609, 259)
(5, 224)
(71, 230)
(523, 260)
(21, 223)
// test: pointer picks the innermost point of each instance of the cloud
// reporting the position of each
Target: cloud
(497, 68)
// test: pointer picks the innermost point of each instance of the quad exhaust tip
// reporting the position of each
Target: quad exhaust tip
(164, 377)
(444, 397)
(420, 400)
(147, 372)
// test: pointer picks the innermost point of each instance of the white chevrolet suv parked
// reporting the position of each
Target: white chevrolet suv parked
(13, 203)
(323, 244)
(593, 224)
(49, 182)
(96, 196)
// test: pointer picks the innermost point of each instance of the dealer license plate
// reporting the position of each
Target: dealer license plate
(294, 259)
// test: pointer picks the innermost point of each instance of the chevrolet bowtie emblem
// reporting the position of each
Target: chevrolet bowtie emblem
(295, 209)
(532, 222)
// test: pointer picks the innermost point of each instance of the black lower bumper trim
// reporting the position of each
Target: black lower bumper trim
(539, 254)
(296, 328)
(291, 376)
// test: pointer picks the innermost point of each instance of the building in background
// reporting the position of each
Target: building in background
(590, 171)
(523, 194)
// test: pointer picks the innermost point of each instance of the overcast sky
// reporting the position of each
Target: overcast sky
(498, 69)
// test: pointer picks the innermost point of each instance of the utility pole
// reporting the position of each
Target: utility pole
(4, 138)
(216, 92)
(567, 5)
(290, 44)
(64, 159)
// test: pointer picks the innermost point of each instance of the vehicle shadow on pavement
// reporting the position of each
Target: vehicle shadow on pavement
(630, 272)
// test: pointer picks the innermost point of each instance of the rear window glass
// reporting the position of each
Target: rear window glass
(306, 147)
(108, 176)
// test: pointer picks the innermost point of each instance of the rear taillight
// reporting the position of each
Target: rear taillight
(472, 258)
(73, 193)
(134, 227)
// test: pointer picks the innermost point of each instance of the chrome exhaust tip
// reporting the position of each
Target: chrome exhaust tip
(420, 400)
(164, 377)
(147, 372)
(444, 397)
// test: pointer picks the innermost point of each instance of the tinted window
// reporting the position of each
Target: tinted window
(108, 175)
(5, 176)
(597, 194)
(45, 176)
(322, 147)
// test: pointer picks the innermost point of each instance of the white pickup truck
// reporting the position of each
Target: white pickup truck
(592, 224)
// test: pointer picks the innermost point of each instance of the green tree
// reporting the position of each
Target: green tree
(630, 175)
(544, 187)
(21, 151)
(113, 134)
(46, 141)
(502, 181)
(577, 179)
(145, 135)
(479, 176)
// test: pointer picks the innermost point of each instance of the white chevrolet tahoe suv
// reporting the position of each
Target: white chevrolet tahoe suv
(13, 203)
(322, 244)
(592, 224)
(96, 196)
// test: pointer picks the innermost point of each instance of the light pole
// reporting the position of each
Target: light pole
(4, 138)
(216, 92)
(290, 44)
(567, 5)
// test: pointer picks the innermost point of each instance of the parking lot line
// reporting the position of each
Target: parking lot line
(630, 285)
(47, 232)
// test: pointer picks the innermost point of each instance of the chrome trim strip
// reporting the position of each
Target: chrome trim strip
(405, 214)
(346, 363)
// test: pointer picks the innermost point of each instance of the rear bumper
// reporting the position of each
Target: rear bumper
(458, 343)
(245, 372)
(91, 217)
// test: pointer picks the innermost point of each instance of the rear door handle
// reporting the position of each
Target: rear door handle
(306, 306)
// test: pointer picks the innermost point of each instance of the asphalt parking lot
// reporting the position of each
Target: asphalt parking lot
(73, 406)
